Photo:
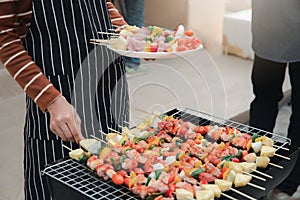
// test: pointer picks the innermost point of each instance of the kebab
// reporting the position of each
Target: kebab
(104, 170)
(107, 171)
(250, 179)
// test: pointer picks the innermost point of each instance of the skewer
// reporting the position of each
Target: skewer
(274, 165)
(264, 174)
(257, 186)
(127, 122)
(280, 147)
(242, 194)
(114, 130)
(284, 157)
(98, 43)
(139, 109)
(102, 41)
(102, 132)
(96, 138)
(227, 196)
(107, 33)
(67, 147)
(254, 176)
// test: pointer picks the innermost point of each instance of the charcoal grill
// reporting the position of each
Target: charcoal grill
(68, 179)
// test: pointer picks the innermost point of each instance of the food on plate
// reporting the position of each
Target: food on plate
(155, 39)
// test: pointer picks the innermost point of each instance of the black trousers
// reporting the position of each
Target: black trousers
(267, 80)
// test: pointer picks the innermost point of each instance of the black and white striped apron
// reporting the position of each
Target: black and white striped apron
(91, 78)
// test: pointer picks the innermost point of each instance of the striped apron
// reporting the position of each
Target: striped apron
(91, 78)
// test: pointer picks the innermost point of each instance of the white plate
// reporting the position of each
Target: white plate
(154, 55)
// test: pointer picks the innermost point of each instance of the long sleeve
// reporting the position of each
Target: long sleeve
(116, 18)
(16, 59)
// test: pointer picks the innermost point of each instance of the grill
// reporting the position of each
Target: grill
(68, 179)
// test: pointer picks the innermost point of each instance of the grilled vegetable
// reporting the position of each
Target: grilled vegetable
(256, 146)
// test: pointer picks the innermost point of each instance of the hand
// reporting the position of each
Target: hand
(64, 120)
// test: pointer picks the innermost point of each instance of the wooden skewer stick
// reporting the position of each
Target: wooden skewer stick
(107, 33)
(139, 109)
(254, 176)
(114, 130)
(242, 194)
(67, 147)
(227, 196)
(264, 174)
(98, 43)
(102, 41)
(96, 138)
(127, 122)
(284, 157)
(102, 132)
(257, 186)
(274, 165)
(280, 147)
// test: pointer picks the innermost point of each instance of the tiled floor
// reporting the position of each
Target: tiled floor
(220, 86)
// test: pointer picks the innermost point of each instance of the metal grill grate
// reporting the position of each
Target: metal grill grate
(72, 174)
(81, 179)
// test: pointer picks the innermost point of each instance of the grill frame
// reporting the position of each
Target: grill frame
(68, 179)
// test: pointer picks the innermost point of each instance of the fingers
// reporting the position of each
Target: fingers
(74, 125)
(67, 132)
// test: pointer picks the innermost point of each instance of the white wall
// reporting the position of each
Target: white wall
(206, 19)
(166, 13)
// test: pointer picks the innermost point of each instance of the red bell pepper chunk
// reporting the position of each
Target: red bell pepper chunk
(171, 190)
(235, 160)
(203, 181)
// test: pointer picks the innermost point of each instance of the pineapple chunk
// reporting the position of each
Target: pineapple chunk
(262, 161)
(212, 187)
(76, 154)
(204, 195)
(235, 167)
(91, 145)
(182, 194)
(223, 184)
(266, 141)
(248, 167)
(267, 151)
(242, 180)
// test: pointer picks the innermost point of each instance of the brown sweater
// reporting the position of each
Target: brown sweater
(15, 17)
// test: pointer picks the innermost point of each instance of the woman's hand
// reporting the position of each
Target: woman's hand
(64, 120)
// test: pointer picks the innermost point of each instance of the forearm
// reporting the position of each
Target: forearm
(17, 60)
